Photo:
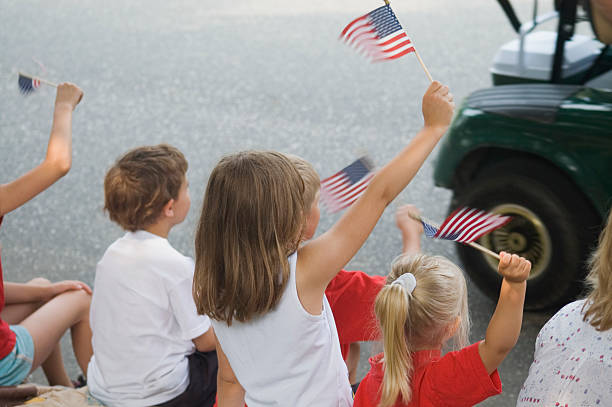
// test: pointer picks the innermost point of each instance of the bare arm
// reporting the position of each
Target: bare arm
(505, 325)
(322, 258)
(229, 391)
(206, 342)
(411, 229)
(16, 293)
(58, 159)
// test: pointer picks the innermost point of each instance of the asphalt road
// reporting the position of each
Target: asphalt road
(217, 77)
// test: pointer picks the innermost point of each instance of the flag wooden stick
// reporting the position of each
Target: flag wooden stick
(46, 82)
(473, 244)
(423, 65)
(418, 57)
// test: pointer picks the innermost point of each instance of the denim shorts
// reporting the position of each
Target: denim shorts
(16, 366)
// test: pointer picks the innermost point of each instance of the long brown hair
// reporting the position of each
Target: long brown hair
(418, 320)
(598, 305)
(252, 216)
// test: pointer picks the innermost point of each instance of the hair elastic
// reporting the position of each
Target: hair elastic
(407, 281)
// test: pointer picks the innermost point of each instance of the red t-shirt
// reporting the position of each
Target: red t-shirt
(7, 337)
(456, 379)
(351, 296)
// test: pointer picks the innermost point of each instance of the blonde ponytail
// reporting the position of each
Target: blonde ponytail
(392, 310)
(418, 318)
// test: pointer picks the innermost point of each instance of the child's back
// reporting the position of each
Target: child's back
(145, 324)
(138, 301)
(284, 344)
(573, 353)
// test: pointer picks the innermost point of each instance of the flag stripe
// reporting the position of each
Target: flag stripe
(343, 188)
(378, 35)
(466, 225)
(348, 27)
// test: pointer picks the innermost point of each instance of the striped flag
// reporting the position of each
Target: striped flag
(378, 34)
(465, 225)
(343, 188)
(27, 84)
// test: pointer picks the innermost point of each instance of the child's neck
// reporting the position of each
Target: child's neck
(161, 229)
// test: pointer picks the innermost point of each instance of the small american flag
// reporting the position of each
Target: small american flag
(465, 225)
(378, 34)
(343, 188)
(27, 84)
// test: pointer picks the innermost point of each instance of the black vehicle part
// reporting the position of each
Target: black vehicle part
(535, 102)
(553, 226)
(510, 13)
(565, 31)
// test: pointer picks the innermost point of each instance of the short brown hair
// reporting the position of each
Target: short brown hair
(312, 182)
(252, 217)
(141, 182)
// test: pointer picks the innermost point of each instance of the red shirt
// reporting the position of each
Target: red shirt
(456, 379)
(7, 337)
(351, 296)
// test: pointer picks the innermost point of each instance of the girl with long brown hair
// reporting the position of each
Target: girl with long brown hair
(423, 306)
(276, 338)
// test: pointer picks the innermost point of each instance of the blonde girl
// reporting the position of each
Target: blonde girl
(573, 353)
(424, 305)
(276, 338)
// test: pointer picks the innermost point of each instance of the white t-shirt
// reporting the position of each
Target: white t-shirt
(288, 357)
(143, 319)
(572, 363)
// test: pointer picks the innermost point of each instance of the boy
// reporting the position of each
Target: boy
(351, 294)
(148, 338)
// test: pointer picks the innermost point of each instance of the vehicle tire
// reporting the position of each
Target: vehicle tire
(553, 226)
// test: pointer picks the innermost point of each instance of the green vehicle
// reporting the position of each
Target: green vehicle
(538, 146)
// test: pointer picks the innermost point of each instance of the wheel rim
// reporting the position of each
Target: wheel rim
(525, 235)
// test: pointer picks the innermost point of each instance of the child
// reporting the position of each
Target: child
(351, 294)
(422, 306)
(40, 312)
(573, 351)
(276, 338)
(144, 321)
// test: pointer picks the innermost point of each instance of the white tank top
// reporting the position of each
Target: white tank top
(288, 357)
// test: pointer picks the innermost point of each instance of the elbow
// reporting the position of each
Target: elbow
(61, 166)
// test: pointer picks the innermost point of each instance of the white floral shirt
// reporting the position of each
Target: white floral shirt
(572, 364)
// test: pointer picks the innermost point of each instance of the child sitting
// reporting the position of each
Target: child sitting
(351, 294)
(276, 338)
(40, 312)
(573, 351)
(422, 306)
(145, 325)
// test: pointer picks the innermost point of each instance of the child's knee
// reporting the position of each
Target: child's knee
(79, 300)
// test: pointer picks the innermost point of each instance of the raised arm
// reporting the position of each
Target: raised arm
(321, 259)
(505, 325)
(58, 159)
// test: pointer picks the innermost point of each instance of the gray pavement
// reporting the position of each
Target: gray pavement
(214, 77)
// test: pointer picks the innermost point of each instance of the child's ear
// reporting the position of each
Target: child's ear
(168, 209)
